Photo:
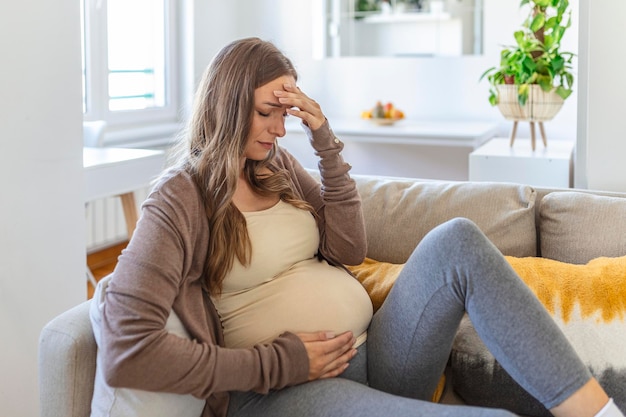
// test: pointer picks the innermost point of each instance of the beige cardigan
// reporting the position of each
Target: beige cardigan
(162, 269)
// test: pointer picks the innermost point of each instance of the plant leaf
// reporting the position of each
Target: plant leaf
(538, 22)
(563, 92)
(522, 94)
(558, 63)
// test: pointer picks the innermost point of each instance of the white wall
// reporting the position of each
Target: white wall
(42, 226)
(601, 136)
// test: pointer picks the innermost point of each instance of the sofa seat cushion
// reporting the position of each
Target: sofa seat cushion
(588, 303)
(400, 212)
(576, 226)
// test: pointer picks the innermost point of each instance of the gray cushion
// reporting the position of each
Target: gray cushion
(576, 227)
(399, 213)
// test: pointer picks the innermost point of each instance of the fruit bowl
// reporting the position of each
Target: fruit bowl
(381, 115)
(384, 121)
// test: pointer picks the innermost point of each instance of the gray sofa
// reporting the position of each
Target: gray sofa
(568, 225)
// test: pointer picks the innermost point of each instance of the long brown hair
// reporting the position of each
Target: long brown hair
(214, 143)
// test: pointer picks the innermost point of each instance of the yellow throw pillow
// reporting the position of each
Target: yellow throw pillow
(597, 288)
(377, 278)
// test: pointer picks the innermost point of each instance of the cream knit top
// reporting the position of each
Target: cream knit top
(286, 287)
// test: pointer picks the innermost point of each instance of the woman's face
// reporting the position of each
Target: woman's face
(268, 119)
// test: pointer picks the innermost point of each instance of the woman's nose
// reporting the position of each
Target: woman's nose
(278, 127)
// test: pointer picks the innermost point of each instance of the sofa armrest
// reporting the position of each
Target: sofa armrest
(67, 364)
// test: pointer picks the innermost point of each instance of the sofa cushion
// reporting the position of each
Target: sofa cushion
(400, 212)
(576, 227)
(587, 302)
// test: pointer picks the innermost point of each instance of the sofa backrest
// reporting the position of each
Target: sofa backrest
(576, 225)
(569, 225)
(399, 212)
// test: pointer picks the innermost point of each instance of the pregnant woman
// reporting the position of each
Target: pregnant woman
(231, 298)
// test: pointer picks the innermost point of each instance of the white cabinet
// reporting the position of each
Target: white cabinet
(550, 166)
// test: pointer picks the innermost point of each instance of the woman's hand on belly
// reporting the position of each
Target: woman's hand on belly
(329, 354)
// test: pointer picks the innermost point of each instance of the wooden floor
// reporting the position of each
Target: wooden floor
(102, 263)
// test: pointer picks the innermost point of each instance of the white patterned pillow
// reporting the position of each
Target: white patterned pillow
(588, 303)
(125, 402)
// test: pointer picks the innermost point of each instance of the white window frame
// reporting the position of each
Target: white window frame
(96, 81)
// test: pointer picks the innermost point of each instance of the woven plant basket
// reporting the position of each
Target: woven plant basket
(539, 107)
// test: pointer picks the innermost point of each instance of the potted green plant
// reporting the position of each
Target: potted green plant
(534, 76)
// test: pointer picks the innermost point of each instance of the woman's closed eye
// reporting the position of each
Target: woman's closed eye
(285, 114)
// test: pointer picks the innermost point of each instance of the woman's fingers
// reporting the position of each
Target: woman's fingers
(328, 355)
(301, 106)
(337, 367)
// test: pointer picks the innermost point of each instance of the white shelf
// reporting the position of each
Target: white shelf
(409, 148)
(409, 132)
(407, 17)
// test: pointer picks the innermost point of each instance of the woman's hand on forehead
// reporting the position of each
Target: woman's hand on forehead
(301, 106)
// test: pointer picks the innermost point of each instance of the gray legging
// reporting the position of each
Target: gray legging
(455, 269)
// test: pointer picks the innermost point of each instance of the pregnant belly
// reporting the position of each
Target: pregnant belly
(310, 296)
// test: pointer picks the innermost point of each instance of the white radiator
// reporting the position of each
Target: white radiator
(105, 220)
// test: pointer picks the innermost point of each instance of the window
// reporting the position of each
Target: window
(129, 69)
